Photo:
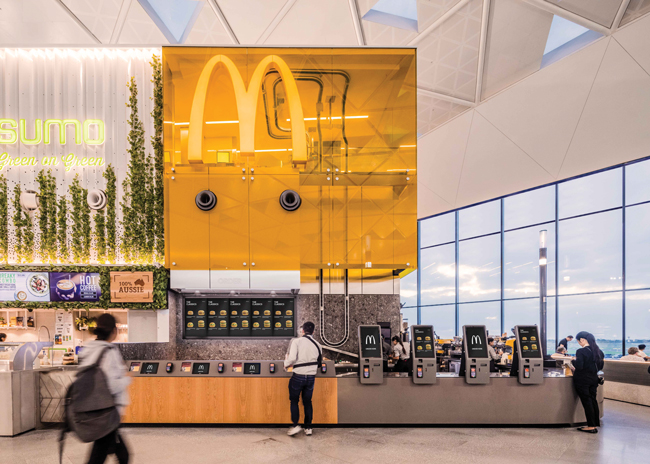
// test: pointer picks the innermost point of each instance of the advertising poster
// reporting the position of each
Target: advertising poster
(24, 286)
(74, 286)
(63, 328)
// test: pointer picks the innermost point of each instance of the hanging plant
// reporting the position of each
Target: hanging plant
(28, 237)
(63, 251)
(158, 153)
(19, 226)
(52, 235)
(4, 220)
(47, 215)
(111, 215)
(100, 235)
(149, 212)
(81, 222)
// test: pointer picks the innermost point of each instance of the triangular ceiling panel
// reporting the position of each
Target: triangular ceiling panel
(495, 166)
(250, 19)
(174, 18)
(433, 112)
(541, 112)
(99, 16)
(635, 9)
(429, 202)
(602, 12)
(139, 28)
(441, 155)
(613, 127)
(208, 30)
(635, 39)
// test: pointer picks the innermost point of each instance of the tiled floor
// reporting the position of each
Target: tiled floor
(623, 439)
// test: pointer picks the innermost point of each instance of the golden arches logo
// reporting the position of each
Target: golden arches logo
(246, 99)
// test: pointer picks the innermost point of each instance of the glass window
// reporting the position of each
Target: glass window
(410, 316)
(438, 285)
(637, 246)
(408, 289)
(442, 318)
(590, 253)
(591, 193)
(600, 314)
(479, 220)
(486, 313)
(528, 208)
(526, 312)
(521, 262)
(637, 319)
(637, 187)
(480, 269)
(437, 230)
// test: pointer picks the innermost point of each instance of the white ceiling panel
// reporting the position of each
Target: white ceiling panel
(516, 40)
(249, 18)
(540, 113)
(433, 112)
(98, 16)
(614, 125)
(440, 158)
(635, 39)
(599, 11)
(429, 203)
(39, 22)
(316, 22)
(495, 166)
(139, 28)
(448, 56)
(207, 30)
(635, 9)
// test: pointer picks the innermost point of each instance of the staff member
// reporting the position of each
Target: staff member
(305, 355)
(400, 355)
(589, 360)
(565, 341)
(492, 352)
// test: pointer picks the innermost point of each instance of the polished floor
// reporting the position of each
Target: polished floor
(624, 438)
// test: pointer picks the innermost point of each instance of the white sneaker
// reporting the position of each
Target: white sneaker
(294, 430)
(308, 432)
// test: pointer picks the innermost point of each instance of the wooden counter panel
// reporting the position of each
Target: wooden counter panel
(213, 400)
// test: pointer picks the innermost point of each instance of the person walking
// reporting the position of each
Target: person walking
(117, 379)
(565, 341)
(589, 360)
(305, 356)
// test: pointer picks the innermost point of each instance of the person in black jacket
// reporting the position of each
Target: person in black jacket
(589, 360)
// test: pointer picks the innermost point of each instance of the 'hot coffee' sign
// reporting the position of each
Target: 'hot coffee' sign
(131, 287)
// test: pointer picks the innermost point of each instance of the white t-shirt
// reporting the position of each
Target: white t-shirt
(403, 354)
(301, 350)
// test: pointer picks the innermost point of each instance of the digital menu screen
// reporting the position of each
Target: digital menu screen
(75, 286)
(252, 368)
(370, 341)
(196, 318)
(262, 317)
(283, 318)
(218, 319)
(423, 341)
(529, 341)
(135, 367)
(24, 286)
(201, 368)
(240, 317)
(476, 341)
(149, 368)
(186, 367)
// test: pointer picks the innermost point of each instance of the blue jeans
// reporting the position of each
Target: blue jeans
(301, 384)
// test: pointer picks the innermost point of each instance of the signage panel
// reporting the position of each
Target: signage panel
(370, 340)
(132, 287)
(476, 342)
(423, 342)
(24, 286)
(75, 286)
(530, 344)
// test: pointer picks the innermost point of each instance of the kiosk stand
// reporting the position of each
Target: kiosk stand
(475, 354)
(423, 354)
(371, 362)
(528, 360)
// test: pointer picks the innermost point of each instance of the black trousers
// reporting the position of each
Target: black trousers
(110, 444)
(301, 385)
(588, 397)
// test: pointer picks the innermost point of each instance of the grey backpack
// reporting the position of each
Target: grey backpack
(89, 409)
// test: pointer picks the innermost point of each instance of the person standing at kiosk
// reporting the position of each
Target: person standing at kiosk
(305, 356)
(589, 360)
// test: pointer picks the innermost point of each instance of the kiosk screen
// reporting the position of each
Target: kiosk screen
(424, 343)
(252, 368)
(149, 368)
(530, 346)
(476, 342)
(201, 368)
(370, 342)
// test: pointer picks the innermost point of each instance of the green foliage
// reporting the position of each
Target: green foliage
(4, 220)
(160, 283)
(81, 222)
(63, 252)
(28, 237)
(157, 143)
(149, 211)
(111, 214)
(100, 235)
(22, 230)
(47, 215)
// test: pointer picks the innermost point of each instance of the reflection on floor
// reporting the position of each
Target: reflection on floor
(623, 439)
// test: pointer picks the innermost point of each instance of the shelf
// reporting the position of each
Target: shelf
(17, 328)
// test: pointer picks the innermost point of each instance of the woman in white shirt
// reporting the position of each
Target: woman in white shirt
(400, 355)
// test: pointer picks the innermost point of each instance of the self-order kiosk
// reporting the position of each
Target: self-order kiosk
(530, 359)
(475, 353)
(371, 362)
(423, 354)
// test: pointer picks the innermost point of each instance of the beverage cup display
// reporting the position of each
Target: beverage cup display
(65, 288)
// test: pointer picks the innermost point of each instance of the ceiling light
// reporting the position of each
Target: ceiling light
(222, 122)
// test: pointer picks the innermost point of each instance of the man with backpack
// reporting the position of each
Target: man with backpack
(305, 356)
(98, 396)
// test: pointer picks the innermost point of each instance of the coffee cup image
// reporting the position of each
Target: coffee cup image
(65, 289)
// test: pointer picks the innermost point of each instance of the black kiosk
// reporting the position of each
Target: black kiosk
(528, 359)
(423, 354)
(476, 362)
(371, 363)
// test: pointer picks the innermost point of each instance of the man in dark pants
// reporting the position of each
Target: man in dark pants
(305, 356)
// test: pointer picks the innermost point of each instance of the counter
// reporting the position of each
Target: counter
(627, 381)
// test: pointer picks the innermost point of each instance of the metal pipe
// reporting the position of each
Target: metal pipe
(542, 289)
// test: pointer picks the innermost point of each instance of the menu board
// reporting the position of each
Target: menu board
(239, 317)
(74, 286)
(283, 317)
(423, 341)
(476, 341)
(529, 339)
(370, 341)
(262, 317)
(217, 317)
(195, 318)
(24, 286)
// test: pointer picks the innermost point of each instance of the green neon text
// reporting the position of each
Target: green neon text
(10, 131)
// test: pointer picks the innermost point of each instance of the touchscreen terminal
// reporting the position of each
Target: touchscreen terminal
(424, 342)
(370, 339)
(149, 368)
(530, 345)
(476, 342)
(201, 368)
(252, 368)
